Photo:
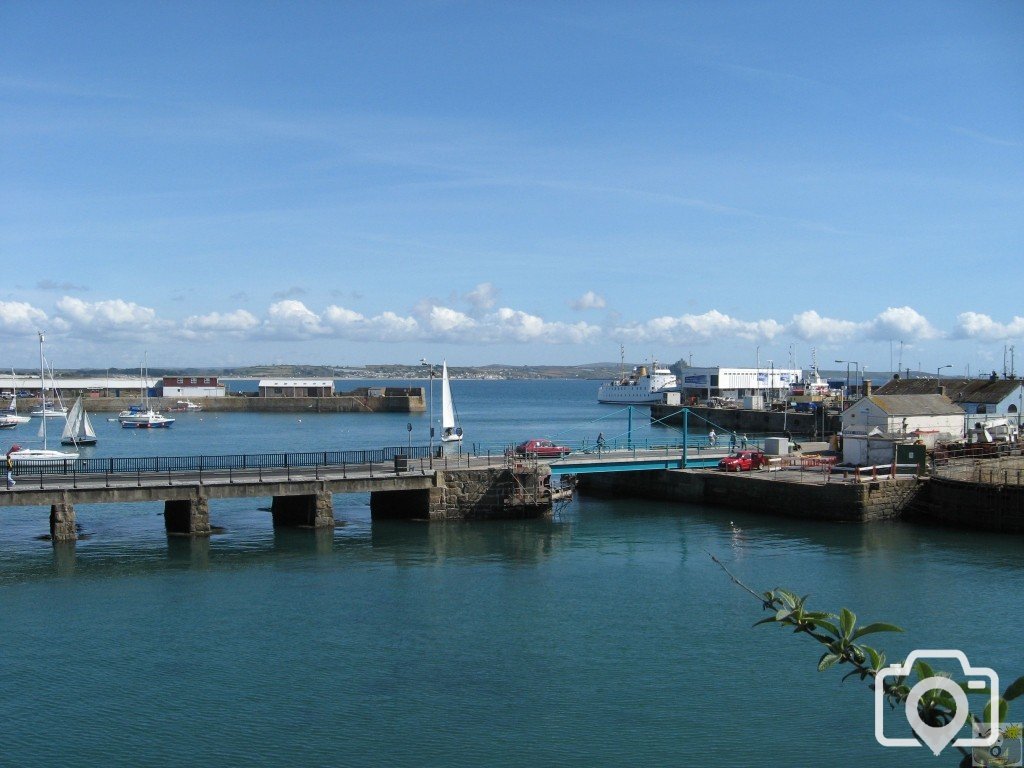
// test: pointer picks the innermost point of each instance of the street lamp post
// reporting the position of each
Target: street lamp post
(938, 373)
(430, 407)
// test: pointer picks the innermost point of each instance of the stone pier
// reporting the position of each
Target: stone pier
(314, 510)
(479, 494)
(187, 517)
(63, 525)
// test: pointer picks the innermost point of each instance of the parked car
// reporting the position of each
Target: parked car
(544, 448)
(742, 461)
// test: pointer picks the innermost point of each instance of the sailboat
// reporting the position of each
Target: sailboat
(78, 430)
(143, 417)
(450, 433)
(9, 418)
(47, 408)
(21, 455)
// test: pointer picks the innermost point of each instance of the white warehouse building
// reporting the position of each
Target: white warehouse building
(737, 383)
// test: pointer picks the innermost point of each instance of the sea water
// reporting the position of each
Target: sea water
(603, 636)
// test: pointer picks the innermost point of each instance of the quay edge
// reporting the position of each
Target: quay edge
(748, 421)
(356, 401)
(992, 502)
(837, 501)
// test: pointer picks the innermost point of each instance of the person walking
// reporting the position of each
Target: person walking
(10, 471)
(600, 441)
(712, 437)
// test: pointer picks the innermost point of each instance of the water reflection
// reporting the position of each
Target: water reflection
(420, 543)
(64, 554)
(191, 551)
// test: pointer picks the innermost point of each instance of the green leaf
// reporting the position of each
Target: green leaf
(872, 655)
(876, 627)
(788, 598)
(782, 614)
(847, 621)
(968, 690)
(829, 626)
(923, 670)
(1016, 689)
(987, 715)
(827, 660)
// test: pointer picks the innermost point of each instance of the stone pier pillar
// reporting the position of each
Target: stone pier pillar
(315, 510)
(62, 521)
(187, 517)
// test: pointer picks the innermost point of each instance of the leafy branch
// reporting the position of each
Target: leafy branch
(841, 638)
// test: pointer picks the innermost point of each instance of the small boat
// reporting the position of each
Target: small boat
(20, 455)
(185, 406)
(142, 416)
(48, 410)
(450, 432)
(78, 430)
(10, 415)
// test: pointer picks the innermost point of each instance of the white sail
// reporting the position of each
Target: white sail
(71, 426)
(86, 429)
(78, 429)
(449, 431)
(44, 454)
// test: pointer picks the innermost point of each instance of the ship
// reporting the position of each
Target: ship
(640, 386)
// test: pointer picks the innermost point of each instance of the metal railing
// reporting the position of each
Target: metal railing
(989, 470)
(170, 464)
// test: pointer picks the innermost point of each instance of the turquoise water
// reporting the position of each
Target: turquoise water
(605, 636)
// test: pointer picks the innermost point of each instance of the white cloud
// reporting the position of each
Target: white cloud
(588, 300)
(237, 323)
(708, 326)
(515, 325)
(112, 317)
(387, 326)
(901, 323)
(447, 322)
(974, 325)
(483, 297)
(810, 326)
(292, 320)
(20, 317)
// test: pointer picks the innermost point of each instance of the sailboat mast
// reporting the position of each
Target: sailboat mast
(42, 390)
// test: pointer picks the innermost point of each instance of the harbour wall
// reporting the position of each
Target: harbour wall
(347, 402)
(748, 421)
(986, 495)
(858, 502)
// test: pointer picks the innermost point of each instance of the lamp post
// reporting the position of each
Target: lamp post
(938, 373)
(430, 407)
(848, 364)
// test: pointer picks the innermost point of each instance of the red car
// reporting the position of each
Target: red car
(544, 448)
(741, 461)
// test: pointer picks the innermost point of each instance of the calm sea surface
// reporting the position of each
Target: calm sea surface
(605, 636)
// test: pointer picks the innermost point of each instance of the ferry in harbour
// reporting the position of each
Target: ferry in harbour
(641, 386)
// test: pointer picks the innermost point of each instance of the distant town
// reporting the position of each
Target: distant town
(392, 371)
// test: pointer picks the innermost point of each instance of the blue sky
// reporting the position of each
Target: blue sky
(528, 183)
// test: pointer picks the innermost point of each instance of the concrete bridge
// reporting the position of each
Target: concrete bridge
(301, 488)
(402, 483)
